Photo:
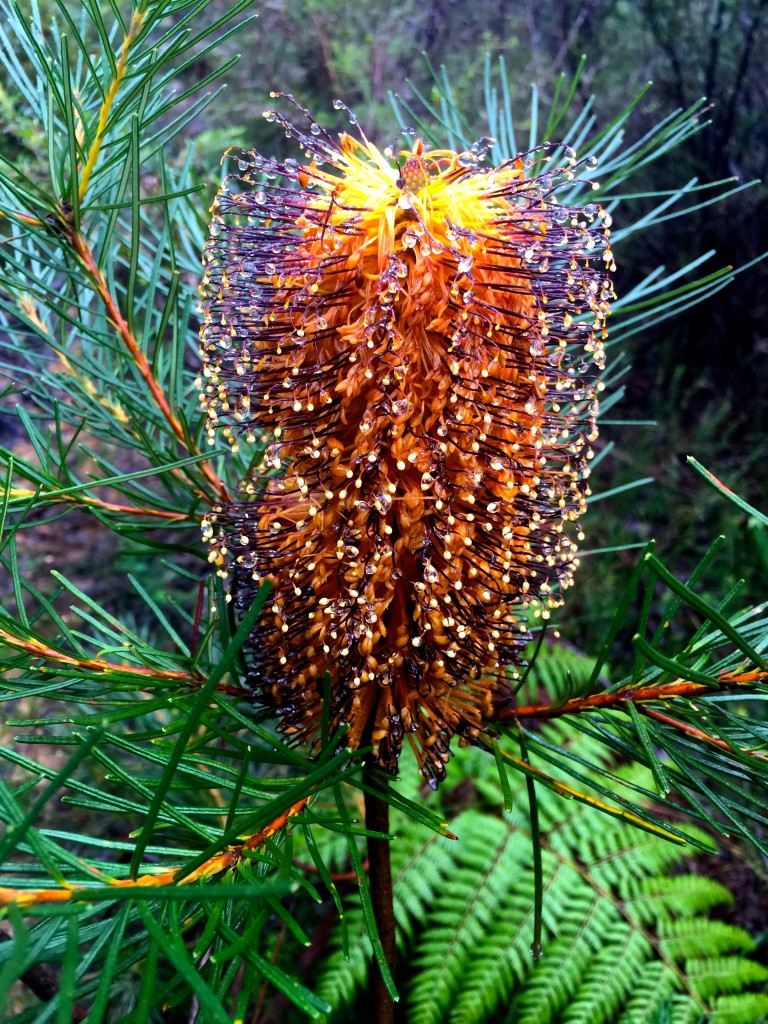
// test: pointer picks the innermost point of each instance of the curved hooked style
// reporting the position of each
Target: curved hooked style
(415, 339)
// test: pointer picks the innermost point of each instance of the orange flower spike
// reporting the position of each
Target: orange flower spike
(416, 347)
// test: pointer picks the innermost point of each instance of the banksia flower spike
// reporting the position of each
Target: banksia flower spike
(414, 339)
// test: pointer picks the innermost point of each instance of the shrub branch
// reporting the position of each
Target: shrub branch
(225, 861)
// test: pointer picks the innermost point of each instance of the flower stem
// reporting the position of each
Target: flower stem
(380, 878)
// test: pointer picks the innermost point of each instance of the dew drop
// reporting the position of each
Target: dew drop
(430, 573)
(536, 347)
(402, 407)
(560, 214)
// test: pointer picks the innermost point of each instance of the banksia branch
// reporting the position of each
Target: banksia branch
(415, 340)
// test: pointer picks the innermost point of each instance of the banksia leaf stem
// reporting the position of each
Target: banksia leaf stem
(175, 876)
(678, 688)
(137, 20)
(88, 501)
(88, 262)
(55, 660)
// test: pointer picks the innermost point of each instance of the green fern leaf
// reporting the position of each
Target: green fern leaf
(696, 937)
(654, 1001)
(725, 974)
(624, 942)
(747, 1008)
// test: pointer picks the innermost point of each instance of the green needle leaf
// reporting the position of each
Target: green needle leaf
(191, 723)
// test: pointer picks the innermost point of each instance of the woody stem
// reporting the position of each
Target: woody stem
(380, 878)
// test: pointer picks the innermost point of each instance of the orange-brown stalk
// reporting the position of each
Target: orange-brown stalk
(215, 866)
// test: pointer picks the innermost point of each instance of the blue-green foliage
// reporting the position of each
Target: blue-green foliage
(626, 939)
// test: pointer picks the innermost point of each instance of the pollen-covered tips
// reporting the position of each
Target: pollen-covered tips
(411, 343)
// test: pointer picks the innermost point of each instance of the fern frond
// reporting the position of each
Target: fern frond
(681, 895)
(623, 941)
(693, 936)
(484, 886)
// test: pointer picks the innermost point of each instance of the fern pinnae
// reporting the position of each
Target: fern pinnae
(547, 991)
(592, 878)
(711, 976)
(744, 1008)
(417, 871)
(651, 900)
(697, 936)
(654, 1000)
(496, 966)
(618, 936)
(609, 977)
(463, 915)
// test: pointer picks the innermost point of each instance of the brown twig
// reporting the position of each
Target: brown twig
(39, 649)
(266, 983)
(637, 694)
(306, 961)
(199, 608)
(114, 314)
(214, 866)
(335, 876)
